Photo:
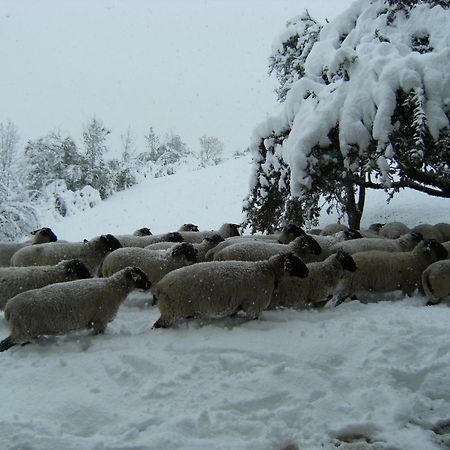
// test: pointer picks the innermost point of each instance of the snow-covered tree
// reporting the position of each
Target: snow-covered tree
(173, 154)
(9, 138)
(97, 173)
(124, 169)
(211, 151)
(153, 149)
(370, 110)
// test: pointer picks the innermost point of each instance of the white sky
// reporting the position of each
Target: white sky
(193, 67)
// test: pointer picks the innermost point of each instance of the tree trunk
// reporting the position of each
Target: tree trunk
(354, 209)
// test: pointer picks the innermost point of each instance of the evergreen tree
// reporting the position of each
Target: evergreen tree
(9, 138)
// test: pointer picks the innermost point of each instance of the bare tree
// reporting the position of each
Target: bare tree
(9, 138)
(211, 150)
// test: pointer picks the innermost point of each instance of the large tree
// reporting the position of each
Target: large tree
(367, 107)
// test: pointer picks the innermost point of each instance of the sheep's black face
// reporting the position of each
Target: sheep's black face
(174, 237)
(110, 242)
(215, 239)
(351, 233)
(78, 268)
(293, 229)
(187, 250)
(143, 232)
(47, 232)
(416, 236)
(295, 266)
(313, 245)
(139, 278)
(436, 249)
(189, 227)
(346, 260)
(376, 227)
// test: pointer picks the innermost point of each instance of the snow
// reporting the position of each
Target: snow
(375, 372)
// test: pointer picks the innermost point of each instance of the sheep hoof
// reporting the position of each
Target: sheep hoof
(159, 324)
(431, 303)
(6, 344)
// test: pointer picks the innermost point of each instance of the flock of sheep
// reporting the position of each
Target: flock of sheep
(51, 287)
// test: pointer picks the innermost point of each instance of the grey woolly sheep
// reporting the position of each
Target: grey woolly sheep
(222, 288)
(14, 280)
(40, 236)
(428, 232)
(288, 233)
(59, 308)
(404, 243)
(317, 287)
(90, 252)
(143, 241)
(393, 230)
(333, 228)
(381, 271)
(144, 231)
(436, 281)
(303, 247)
(155, 263)
(226, 230)
(444, 229)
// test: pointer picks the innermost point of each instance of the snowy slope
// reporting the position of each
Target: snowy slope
(365, 376)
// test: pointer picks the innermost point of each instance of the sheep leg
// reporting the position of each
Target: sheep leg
(160, 323)
(99, 327)
(6, 344)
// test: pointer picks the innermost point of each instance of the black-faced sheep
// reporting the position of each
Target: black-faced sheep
(404, 243)
(14, 280)
(143, 241)
(59, 308)
(436, 281)
(393, 230)
(380, 271)
(222, 288)
(226, 230)
(188, 227)
(428, 232)
(40, 236)
(155, 263)
(303, 247)
(317, 287)
(90, 252)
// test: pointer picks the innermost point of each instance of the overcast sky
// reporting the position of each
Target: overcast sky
(192, 67)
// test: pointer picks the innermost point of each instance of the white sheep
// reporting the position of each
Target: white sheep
(143, 241)
(188, 227)
(436, 281)
(287, 234)
(226, 230)
(317, 287)
(60, 308)
(222, 288)
(303, 247)
(393, 230)
(333, 228)
(14, 280)
(381, 271)
(90, 252)
(40, 236)
(404, 243)
(428, 232)
(155, 263)
(444, 229)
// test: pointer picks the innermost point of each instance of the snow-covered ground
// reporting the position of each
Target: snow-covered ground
(361, 376)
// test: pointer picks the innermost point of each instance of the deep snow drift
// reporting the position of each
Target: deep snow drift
(366, 376)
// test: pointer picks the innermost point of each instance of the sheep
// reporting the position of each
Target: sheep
(436, 281)
(143, 241)
(404, 243)
(447, 246)
(222, 288)
(444, 229)
(428, 232)
(14, 280)
(333, 228)
(188, 227)
(381, 271)
(288, 233)
(373, 231)
(60, 308)
(40, 236)
(144, 231)
(154, 263)
(303, 247)
(226, 230)
(317, 287)
(393, 230)
(90, 252)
